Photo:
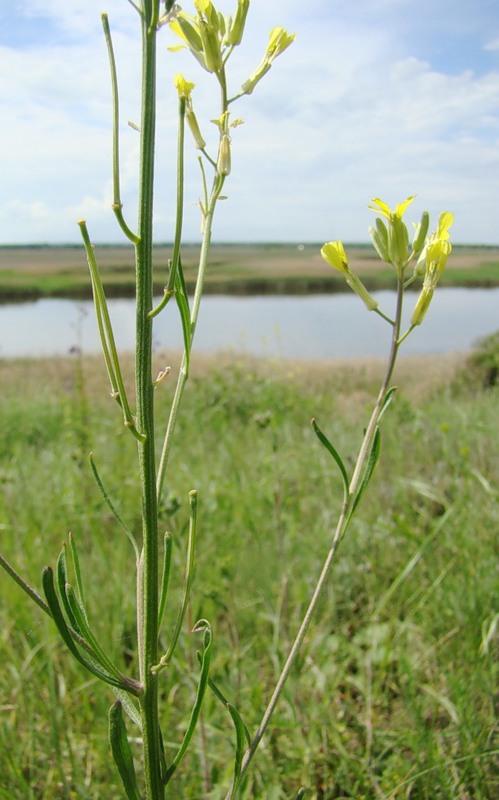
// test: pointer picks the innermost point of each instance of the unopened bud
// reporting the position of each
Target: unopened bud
(422, 305)
(379, 238)
(258, 74)
(184, 28)
(398, 241)
(420, 233)
(223, 161)
(237, 27)
(193, 125)
(211, 46)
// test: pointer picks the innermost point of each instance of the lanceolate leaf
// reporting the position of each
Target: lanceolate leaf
(371, 464)
(387, 400)
(334, 453)
(182, 300)
(196, 709)
(121, 751)
(240, 729)
(81, 656)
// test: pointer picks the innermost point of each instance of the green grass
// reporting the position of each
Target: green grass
(394, 686)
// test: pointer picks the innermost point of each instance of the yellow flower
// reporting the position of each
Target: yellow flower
(183, 86)
(382, 208)
(334, 255)
(397, 239)
(434, 255)
(279, 41)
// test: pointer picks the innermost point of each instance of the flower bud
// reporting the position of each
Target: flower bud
(379, 238)
(420, 233)
(211, 46)
(422, 306)
(224, 161)
(398, 241)
(237, 27)
(248, 86)
(334, 254)
(187, 31)
(193, 125)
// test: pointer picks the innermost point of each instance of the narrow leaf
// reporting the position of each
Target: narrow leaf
(387, 400)
(371, 464)
(205, 626)
(128, 706)
(82, 657)
(121, 751)
(218, 693)
(62, 578)
(99, 653)
(167, 560)
(182, 301)
(77, 571)
(240, 729)
(110, 505)
(334, 453)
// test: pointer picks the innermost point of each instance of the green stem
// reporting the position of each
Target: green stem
(117, 204)
(343, 521)
(147, 579)
(198, 293)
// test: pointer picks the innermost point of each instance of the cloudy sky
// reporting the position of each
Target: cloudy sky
(375, 98)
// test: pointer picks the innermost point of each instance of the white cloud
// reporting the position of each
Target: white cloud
(349, 111)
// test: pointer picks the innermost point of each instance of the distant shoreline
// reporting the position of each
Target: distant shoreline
(38, 270)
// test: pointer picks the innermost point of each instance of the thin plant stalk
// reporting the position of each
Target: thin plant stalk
(148, 571)
(341, 527)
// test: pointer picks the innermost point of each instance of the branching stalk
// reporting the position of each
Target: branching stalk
(343, 521)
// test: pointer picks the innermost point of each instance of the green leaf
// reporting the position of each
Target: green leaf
(241, 732)
(99, 653)
(62, 577)
(128, 706)
(110, 505)
(182, 301)
(368, 472)
(77, 571)
(121, 751)
(88, 661)
(204, 626)
(390, 394)
(334, 453)
(165, 579)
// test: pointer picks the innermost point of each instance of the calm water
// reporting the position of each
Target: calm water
(318, 326)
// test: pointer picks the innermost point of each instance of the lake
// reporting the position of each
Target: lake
(296, 327)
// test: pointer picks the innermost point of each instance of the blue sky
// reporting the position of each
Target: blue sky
(375, 98)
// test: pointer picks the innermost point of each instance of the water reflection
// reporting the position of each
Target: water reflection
(318, 326)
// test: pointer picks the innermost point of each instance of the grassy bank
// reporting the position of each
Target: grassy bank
(244, 269)
(394, 686)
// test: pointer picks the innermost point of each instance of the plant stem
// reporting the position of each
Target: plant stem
(340, 530)
(198, 292)
(147, 579)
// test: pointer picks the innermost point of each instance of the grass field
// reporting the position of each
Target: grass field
(393, 694)
(244, 269)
